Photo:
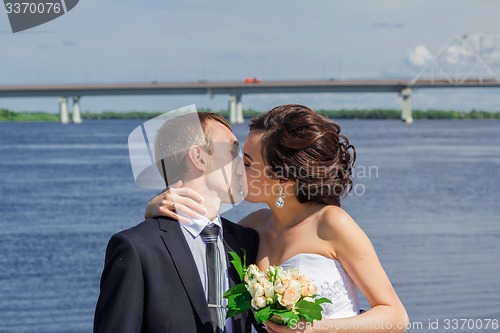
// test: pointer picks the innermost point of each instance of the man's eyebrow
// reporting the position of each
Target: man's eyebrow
(251, 159)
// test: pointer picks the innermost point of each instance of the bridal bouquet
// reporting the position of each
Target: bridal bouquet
(283, 296)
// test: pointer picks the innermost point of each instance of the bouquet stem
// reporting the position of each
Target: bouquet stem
(277, 320)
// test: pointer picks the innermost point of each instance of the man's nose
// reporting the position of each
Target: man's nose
(240, 169)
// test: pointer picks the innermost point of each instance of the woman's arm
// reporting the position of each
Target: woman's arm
(173, 200)
(357, 255)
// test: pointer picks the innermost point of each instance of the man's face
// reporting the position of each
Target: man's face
(225, 173)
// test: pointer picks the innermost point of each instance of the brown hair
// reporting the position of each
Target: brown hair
(204, 118)
(176, 136)
(299, 144)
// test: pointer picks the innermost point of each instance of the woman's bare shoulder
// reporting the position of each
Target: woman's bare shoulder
(256, 219)
(343, 233)
(335, 222)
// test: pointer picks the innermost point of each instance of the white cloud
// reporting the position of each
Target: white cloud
(494, 57)
(419, 56)
(457, 53)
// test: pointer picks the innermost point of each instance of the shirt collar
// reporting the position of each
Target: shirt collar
(195, 226)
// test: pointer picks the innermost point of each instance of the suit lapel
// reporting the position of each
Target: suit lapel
(180, 253)
(231, 245)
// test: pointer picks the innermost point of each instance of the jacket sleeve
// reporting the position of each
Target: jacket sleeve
(255, 242)
(120, 304)
(255, 245)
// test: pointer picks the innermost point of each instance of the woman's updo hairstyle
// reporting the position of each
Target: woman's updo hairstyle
(299, 144)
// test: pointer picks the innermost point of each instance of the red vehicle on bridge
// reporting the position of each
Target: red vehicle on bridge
(252, 80)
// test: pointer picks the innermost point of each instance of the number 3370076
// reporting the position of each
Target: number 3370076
(32, 7)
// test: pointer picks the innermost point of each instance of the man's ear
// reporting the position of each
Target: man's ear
(198, 158)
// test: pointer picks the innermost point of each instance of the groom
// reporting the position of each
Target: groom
(163, 276)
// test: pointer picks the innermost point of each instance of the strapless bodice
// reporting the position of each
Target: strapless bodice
(332, 282)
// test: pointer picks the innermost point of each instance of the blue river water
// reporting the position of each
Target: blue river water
(426, 194)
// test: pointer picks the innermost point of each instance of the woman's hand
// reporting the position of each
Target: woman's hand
(176, 200)
(301, 326)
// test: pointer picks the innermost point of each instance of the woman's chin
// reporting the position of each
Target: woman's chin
(252, 199)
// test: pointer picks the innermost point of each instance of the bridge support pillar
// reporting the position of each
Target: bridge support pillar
(63, 110)
(235, 109)
(77, 119)
(406, 115)
(232, 109)
(239, 110)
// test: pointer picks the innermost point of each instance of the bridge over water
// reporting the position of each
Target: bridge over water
(236, 90)
(460, 64)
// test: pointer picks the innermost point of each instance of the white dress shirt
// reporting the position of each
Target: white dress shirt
(192, 233)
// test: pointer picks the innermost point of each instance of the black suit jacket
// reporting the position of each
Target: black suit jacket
(150, 282)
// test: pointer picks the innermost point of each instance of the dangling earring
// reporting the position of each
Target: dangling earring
(280, 200)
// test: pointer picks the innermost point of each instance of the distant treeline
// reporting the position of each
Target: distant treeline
(6, 115)
(417, 114)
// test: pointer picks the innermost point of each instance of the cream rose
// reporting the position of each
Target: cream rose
(268, 290)
(308, 288)
(253, 272)
(289, 275)
(279, 288)
(259, 302)
(256, 289)
(291, 295)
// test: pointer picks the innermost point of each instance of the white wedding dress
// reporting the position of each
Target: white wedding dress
(332, 282)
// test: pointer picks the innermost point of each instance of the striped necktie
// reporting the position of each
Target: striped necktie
(210, 235)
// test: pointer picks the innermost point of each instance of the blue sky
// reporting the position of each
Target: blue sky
(136, 41)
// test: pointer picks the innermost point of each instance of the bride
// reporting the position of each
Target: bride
(298, 163)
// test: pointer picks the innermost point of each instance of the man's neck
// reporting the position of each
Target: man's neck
(212, 202)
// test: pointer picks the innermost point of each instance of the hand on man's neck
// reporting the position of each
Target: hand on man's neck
(212, 201)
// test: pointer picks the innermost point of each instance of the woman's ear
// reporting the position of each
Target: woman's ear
(198, 158)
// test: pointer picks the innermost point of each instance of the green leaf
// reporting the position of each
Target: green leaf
(309, 310)
(322, 300)
(308, 318)
(262, 315)
(277, 319)
(231, 313)
(238, 303)
(240, 288)
(288, 317)
(238, 265)
(244, 260)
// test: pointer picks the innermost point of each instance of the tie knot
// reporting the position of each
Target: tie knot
(210, 234)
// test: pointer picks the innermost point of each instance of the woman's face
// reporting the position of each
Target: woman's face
(261, 186)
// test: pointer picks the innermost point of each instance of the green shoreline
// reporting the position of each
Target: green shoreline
(7, 115)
